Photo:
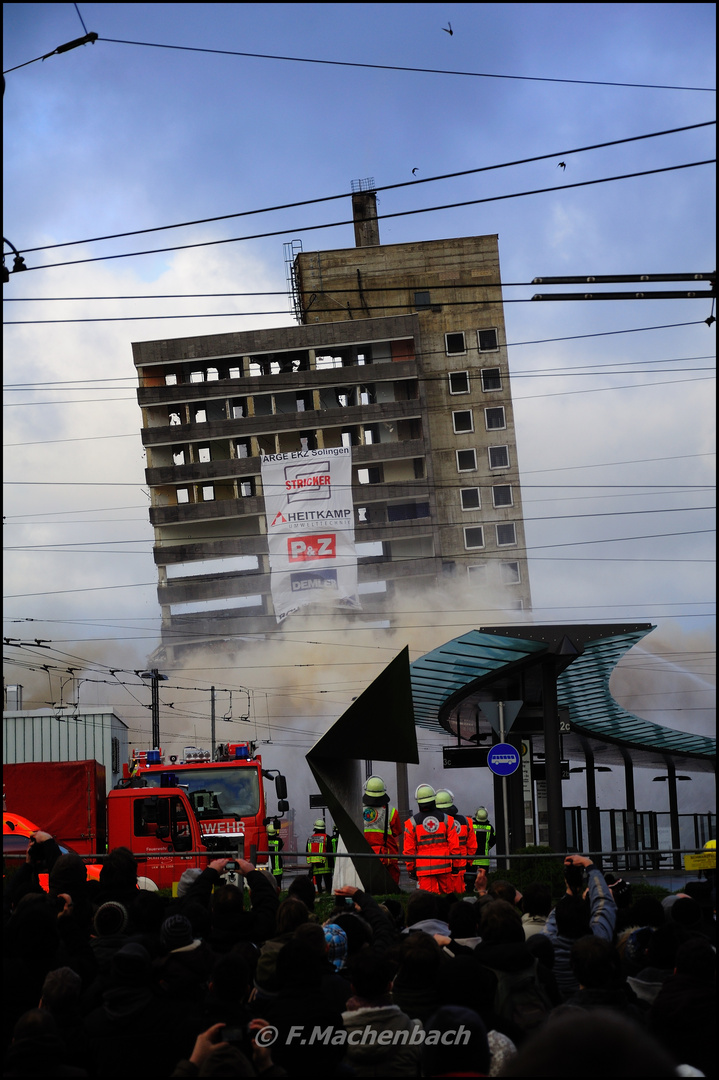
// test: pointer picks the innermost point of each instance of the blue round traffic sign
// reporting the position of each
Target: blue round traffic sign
(503, 759)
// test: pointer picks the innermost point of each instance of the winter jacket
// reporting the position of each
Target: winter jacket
(375, 1038)
(602, 920)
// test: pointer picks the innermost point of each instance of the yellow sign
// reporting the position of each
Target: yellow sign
(707, 860)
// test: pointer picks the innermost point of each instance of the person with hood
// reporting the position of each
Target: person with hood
(371, 1012)
(381, 824)
(37, 1048)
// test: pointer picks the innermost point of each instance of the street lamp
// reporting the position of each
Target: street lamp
(597, 768)
(155, 677)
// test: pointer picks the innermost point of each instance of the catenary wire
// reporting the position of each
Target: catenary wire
(380, 217)
(385, 187)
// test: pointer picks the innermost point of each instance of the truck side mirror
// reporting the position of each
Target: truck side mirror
(281, 786)
(283, 806)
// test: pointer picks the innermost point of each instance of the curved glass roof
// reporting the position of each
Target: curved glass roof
(465, 669)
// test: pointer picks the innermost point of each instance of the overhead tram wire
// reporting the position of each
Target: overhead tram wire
(385, 187)
(380, 217)
(355, 64)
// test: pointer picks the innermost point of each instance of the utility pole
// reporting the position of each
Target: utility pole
(154, 676)
(212, 719)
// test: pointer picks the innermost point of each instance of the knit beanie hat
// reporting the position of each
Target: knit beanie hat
(336, 940)
(131, 964)
(176, 933)
(188, 878)
(110, 918)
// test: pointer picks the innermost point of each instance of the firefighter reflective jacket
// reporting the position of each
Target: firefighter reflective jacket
(485, 841)
(431, 833)
(467, 841)
(382, 827)
(274, 846)
(318, 846)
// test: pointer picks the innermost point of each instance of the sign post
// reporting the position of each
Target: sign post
(504, 759)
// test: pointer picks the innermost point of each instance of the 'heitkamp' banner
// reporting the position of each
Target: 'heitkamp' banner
(310, 528)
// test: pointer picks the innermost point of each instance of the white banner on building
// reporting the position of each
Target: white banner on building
(310, 528)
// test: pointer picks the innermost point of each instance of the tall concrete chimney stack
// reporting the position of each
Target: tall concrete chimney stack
(364, 213)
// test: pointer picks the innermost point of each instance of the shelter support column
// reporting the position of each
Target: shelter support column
(674, 812)
(552, 757)
(631, 838)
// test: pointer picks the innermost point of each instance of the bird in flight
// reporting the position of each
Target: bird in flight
(449, 31)
(414, 171)
(562, 165)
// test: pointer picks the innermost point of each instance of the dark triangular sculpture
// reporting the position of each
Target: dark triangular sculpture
(380, 725)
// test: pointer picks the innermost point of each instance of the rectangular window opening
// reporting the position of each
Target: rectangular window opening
(506, 534)
(495, 418)
(463, 422)
(502, 495)
(498, 457)
(510, 573)
(473, 537)
(466, 460)
(491, 379)
(459, 382)
(470, 498)
(487, 340)
(454, 343)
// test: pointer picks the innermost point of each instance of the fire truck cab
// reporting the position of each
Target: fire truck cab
(223, 808)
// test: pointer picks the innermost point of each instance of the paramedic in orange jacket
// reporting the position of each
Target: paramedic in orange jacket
(381, 823)
(431, 832)
(465, 835)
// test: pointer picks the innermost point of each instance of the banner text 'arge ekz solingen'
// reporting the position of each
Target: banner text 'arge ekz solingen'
(310, 528)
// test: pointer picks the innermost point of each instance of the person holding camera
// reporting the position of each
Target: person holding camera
(587, 907)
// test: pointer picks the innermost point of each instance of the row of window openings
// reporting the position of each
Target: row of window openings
(491, 379)
(264, 405)
(494, 420)
(344, 397)
(506, 535)
(467, 459)
(510, 575)
(206, 492)
(456, 342)
(368, 436)
(275, 364)
(501, 496)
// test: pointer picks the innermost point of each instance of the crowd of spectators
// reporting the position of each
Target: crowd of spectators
(106, 980)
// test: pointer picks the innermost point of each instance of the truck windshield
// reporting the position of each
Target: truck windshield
(216, 792)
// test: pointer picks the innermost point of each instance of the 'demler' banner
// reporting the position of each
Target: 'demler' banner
(310, 528)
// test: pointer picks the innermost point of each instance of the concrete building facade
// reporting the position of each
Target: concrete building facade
(400, 354)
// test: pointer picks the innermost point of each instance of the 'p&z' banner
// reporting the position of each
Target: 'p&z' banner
(310, 528)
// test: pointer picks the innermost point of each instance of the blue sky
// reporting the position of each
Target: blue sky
(116, 137)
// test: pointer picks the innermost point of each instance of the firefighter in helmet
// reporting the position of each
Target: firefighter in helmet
(476, 876)
(275, 843)
(318, 856)
(431, 833)
(465, 835)
(381, 823)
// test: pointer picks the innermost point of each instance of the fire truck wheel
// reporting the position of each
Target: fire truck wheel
(146, 883)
